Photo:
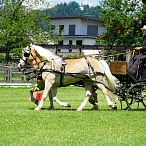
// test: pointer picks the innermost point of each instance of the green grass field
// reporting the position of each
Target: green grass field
(20, 125)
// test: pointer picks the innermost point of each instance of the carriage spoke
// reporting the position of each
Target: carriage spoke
(134, 97)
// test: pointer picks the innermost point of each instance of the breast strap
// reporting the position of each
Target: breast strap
(92, 69)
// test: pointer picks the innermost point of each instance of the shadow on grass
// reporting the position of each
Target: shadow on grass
(74, 109)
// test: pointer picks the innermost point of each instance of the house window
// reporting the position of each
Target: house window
(60, 42)
(70, 50)
(92, 30)
(78, 42)
(72, 30)
(61, 29)
(70, 42)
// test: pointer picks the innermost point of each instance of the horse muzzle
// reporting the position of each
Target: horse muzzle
(20, 67)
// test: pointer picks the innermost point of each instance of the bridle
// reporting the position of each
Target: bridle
(27, 54)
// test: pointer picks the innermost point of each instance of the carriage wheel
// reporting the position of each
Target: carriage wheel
(134, 96)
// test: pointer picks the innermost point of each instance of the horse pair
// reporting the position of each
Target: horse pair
(93, 73)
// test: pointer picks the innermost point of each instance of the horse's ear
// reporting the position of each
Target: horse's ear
(30, 45)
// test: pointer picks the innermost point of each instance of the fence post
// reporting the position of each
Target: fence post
(6, 73)
(79, 52)
(10, 74)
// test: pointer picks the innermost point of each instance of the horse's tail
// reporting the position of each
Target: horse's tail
(111, 81)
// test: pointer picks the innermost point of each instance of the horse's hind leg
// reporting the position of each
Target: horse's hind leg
(93, 100)
(83, 104)
(88, 86)
(55, 98)
(105, 93)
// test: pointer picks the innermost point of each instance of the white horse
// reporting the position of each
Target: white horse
(92, 72)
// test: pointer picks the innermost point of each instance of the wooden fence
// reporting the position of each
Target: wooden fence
(67, 50)
(10, 74)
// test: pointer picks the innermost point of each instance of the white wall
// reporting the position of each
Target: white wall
(85, 41)
(81, 25)
(81, 29)
(89, 41)
(66, 23)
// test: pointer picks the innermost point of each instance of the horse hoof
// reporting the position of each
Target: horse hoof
(68, 105)
(79, 109)
(95, 107)
(51, 108)
(114, 107)
(37, 109)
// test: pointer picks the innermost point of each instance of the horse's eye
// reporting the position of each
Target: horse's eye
(26, 54)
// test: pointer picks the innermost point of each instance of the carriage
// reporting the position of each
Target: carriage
(132, 91)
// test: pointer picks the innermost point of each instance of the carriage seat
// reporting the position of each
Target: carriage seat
(118, 67)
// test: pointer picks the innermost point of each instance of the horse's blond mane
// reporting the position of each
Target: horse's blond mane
(46, 54)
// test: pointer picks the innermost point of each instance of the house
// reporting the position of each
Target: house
(1, 4)
(77, 30)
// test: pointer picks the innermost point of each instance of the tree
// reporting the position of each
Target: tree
(144, 1)
(72, 9)
(21, 25)
(144, 12)
(123, 21)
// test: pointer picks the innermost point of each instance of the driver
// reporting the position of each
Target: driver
(142, 49)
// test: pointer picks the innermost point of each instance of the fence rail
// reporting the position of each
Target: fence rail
(10, 74)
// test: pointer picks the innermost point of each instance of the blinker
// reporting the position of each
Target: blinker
(26, 54)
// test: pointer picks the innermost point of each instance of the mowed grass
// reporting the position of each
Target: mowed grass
(20, 125)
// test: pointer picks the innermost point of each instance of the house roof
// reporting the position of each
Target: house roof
(78, 36)
(75, 17)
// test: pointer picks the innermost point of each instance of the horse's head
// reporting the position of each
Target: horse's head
(24, 57)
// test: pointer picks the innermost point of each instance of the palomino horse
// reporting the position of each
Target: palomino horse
(92, 72)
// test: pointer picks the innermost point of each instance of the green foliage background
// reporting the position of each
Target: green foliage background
(123, 20)
(73, 9)
(21, 25)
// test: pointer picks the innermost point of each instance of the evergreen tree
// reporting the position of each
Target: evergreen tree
(72, 9)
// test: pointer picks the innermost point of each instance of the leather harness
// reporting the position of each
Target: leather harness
(37, 72)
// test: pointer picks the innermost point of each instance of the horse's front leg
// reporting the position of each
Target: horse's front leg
(51, 100)
(49, 81)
